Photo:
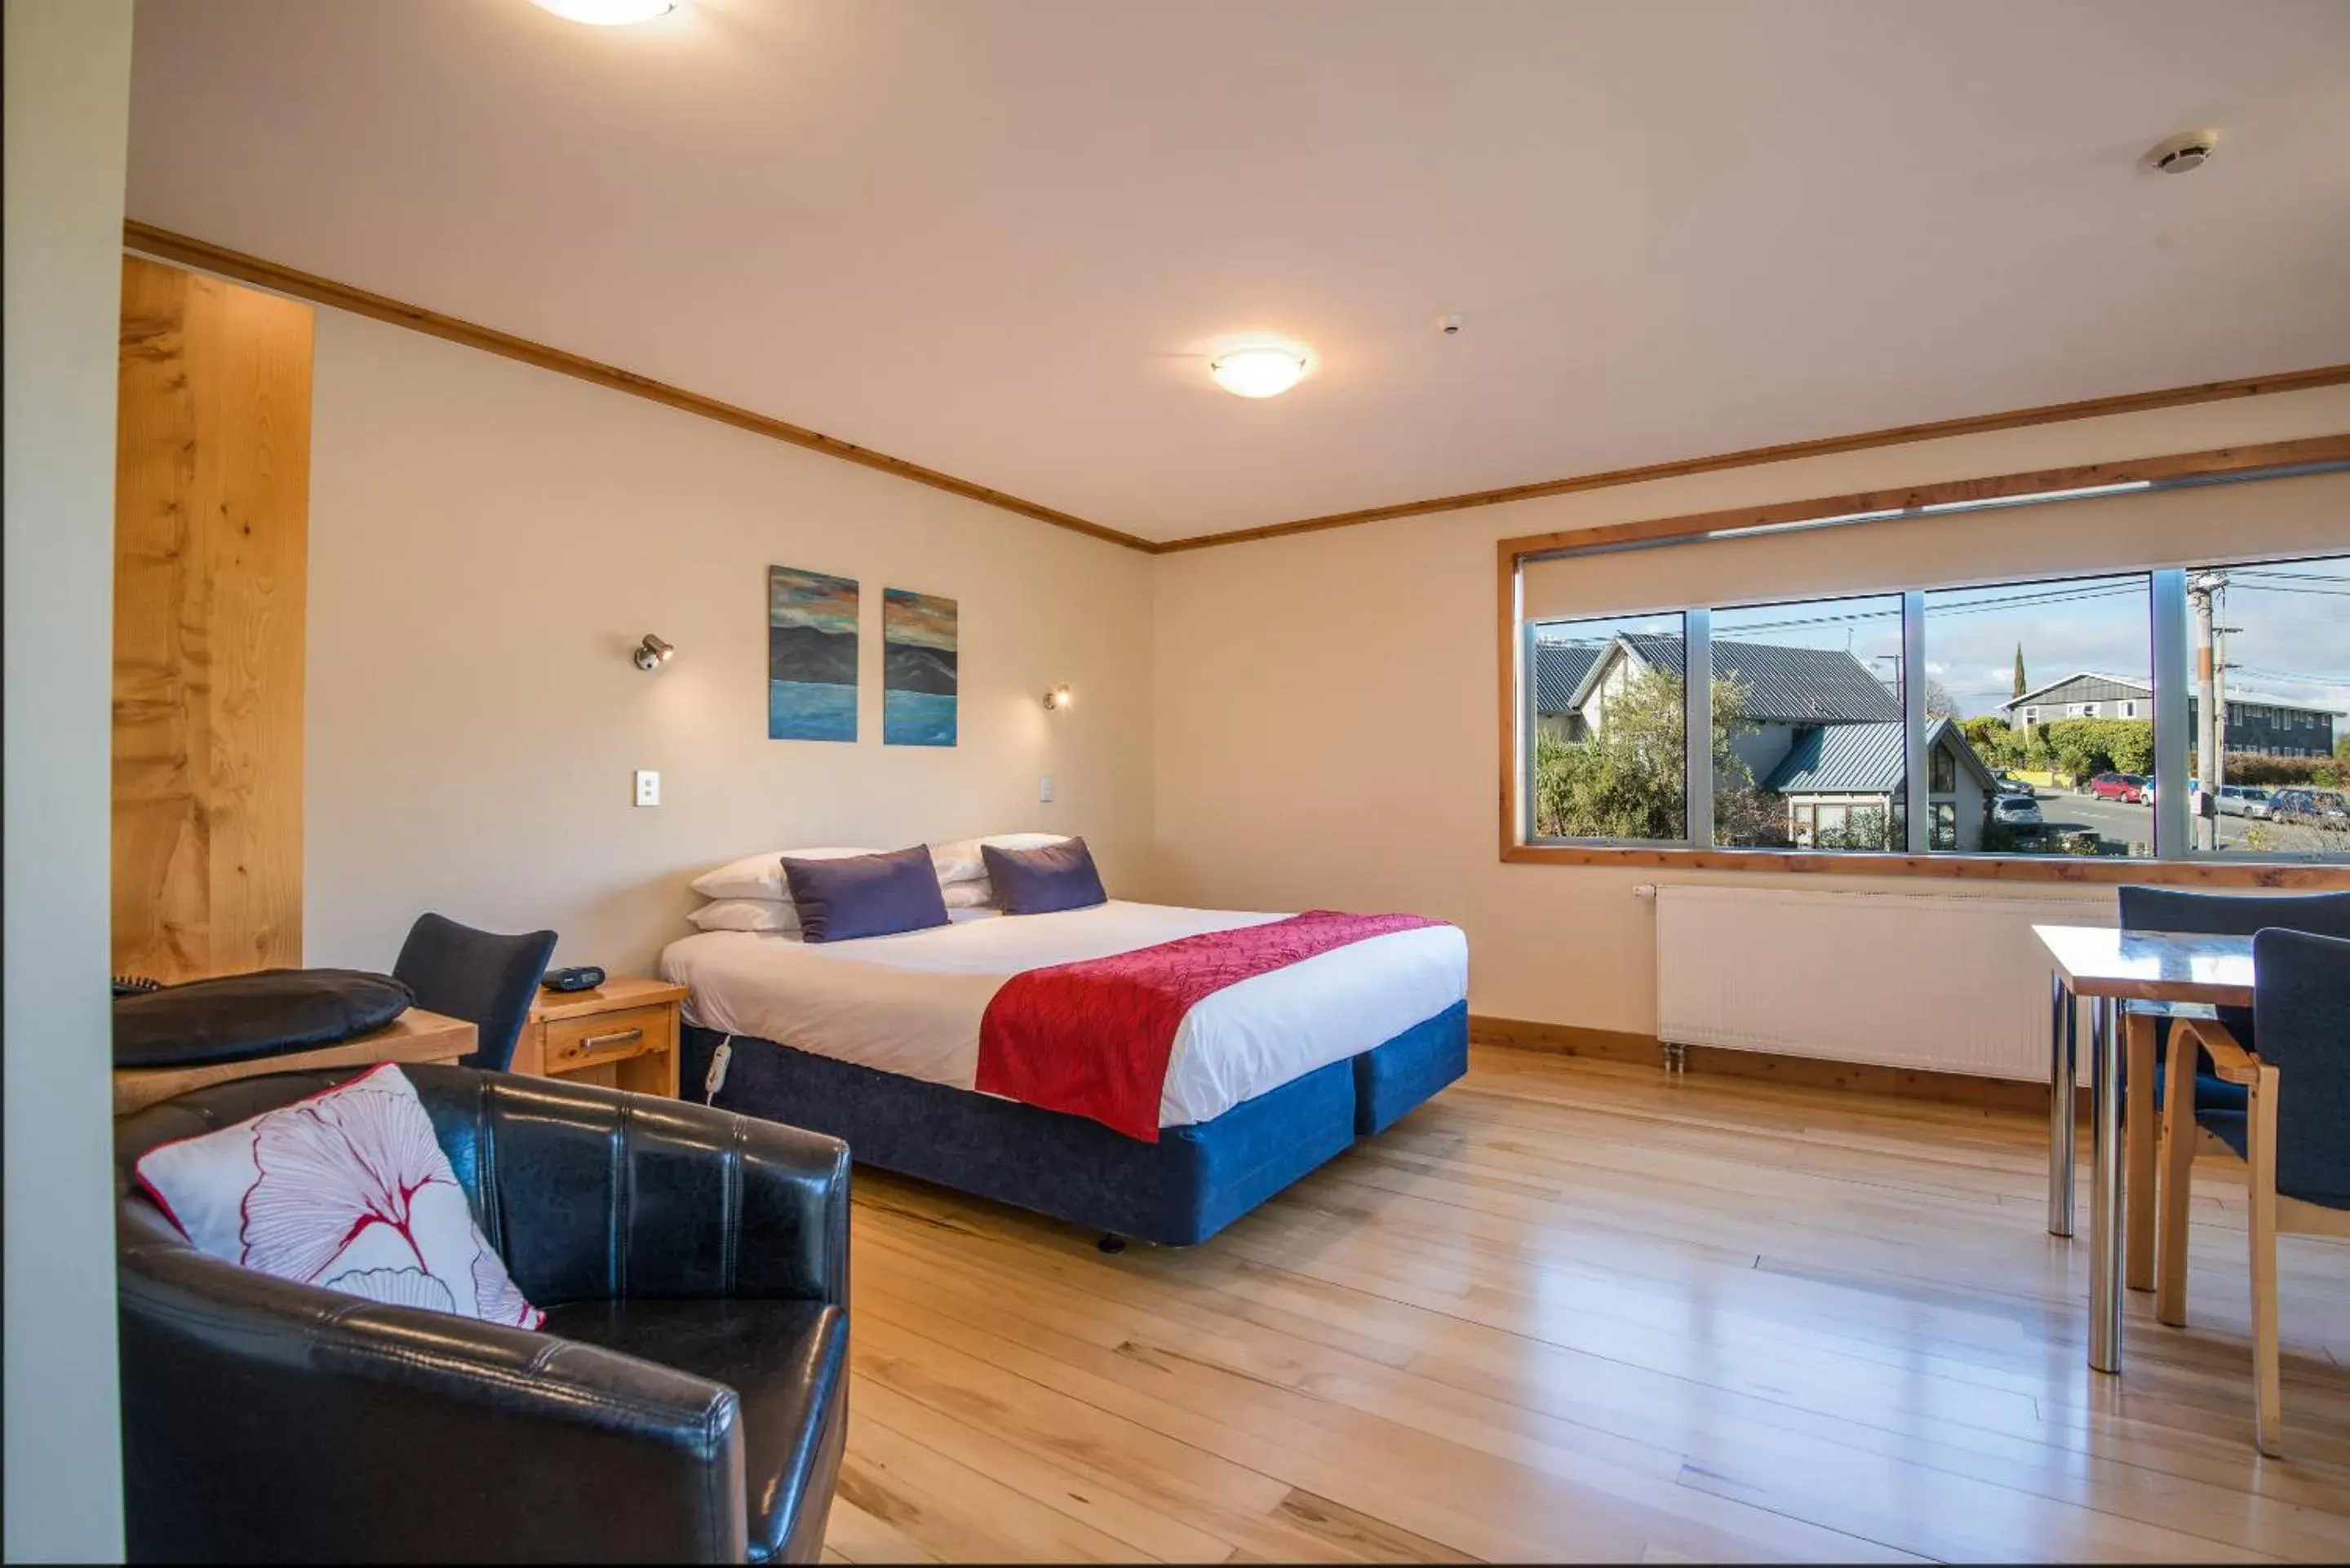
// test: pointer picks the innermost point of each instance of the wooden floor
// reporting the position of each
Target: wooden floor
(1578, 1310)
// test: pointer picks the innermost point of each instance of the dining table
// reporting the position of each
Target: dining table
(2109, 968)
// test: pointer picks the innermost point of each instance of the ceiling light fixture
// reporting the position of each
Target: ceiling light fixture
(1260, 369)
(606, 13)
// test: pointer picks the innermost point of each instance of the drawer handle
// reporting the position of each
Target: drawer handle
(597, 1042)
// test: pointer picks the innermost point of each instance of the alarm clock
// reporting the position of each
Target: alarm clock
(579, 977)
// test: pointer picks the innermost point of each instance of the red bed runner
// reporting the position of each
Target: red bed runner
(1093, 1038)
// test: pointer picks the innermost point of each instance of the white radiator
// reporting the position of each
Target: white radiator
(1945, 982)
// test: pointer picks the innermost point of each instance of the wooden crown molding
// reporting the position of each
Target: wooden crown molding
(1978, 424)
(203, 255)
(164, 244)
(2218, 462)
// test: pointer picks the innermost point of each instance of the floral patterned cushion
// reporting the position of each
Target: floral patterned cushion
(346, 1191)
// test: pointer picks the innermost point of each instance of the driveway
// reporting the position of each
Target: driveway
(2115, 821)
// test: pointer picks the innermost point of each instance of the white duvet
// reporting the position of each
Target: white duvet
(911, 1003)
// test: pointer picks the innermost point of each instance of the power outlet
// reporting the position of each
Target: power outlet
(648, 788)
(1045, 787)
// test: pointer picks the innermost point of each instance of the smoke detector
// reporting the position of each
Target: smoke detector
(2183, 154)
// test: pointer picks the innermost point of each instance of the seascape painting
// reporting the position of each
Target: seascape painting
(811, 656)
(917, 668)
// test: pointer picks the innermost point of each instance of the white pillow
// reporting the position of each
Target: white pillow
(346, 1191)
(961, 861)
(774, 914)
(762, 875)
(967, 895)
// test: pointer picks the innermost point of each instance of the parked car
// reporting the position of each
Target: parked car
(2010, 784)
(2322, 808)
(2016, 811)
(2243, 800)
(2127, 787)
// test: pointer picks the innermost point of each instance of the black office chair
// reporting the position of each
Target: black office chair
(484, 977)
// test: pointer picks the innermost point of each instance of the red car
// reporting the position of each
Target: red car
(2125, 787)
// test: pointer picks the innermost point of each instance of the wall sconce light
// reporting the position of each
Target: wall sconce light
(653, 653)
(1058, 699)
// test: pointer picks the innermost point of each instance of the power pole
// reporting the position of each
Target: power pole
(2211, 719)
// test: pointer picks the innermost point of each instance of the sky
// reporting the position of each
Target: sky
(924, 620)
(812, 599)
(2294, 640)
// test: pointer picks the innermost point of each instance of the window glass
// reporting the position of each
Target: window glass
(2268, 645)
(1609, 757)
(1808, 746)
(2044, 755)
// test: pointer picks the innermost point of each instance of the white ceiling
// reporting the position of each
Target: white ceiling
(996, 238)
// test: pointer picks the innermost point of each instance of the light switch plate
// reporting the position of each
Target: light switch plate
(1045, 787)
(648, 788)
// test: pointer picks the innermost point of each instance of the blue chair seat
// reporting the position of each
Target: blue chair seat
(2213, 1095)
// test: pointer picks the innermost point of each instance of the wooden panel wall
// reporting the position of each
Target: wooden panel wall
(212, 540)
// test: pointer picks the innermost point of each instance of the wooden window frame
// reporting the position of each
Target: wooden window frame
(1512, 556)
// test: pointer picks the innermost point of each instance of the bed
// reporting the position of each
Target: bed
(877, 1041)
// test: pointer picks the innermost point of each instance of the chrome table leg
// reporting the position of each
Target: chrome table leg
(2105, 1187)
(2062, 1073)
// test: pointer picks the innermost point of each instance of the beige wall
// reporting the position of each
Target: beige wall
(488, 540)
(69, 118)
(1326, 702)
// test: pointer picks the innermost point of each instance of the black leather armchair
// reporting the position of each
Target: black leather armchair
(685, 1402)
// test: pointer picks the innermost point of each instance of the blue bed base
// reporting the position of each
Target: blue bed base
(1182, 1190)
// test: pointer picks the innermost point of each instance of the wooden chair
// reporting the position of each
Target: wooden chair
(2146, 1025)
(2296, 1148)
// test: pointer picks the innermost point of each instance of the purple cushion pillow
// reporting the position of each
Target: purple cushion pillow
(866, 895)
(1039, 882)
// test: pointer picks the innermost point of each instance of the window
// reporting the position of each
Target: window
(1807, 704)
(1868, 720)
(2098, 628)
(2281, 628)
(1608, 761)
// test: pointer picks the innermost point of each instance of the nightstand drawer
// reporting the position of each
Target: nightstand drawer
(607, 1037)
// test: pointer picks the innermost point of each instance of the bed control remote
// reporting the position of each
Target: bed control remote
(715, 1079)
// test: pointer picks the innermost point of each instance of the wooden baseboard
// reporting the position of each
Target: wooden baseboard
(1805, 1072)
(1568, 1040)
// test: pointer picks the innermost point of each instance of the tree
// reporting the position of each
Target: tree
(1939, 703)
(2084, 747)
(1996, 742)
(1625, 779)
(2020, 687)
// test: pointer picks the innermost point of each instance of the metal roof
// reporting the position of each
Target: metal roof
(1787, 685)
(1559, 669)
(1862, 759)
(1841, 759)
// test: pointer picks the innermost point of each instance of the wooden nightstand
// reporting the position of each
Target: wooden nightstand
(623, 1034)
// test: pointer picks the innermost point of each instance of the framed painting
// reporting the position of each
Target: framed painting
(919, 675)
(811, 656)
